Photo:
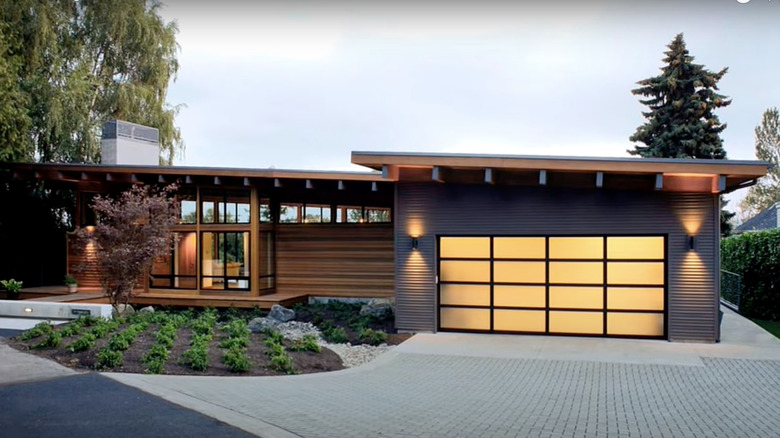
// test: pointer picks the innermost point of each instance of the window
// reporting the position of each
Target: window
(290, 213)
(317, 213)
(349, 215)
(265, 211)
(177, 270)
(267, 261)
(225, 261)
(377, 215)
(188, 207)
(225, 207)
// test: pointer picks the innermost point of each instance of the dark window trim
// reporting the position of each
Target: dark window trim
(226, 278)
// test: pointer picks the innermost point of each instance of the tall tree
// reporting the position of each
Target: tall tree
(680, 120)
(767, 190)
(71, 65)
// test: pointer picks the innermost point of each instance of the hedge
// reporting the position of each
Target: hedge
(756, 257)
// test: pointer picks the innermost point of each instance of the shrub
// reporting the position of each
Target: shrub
(85, 342)
(237, 328)
(275, 349)
(373, 337)
(155, 358)
(197, 357)
(73, 328)
(242, 342)
(237, 360)
(108, 358)
(335, 335)
(306, 343)
(756, 257)
(40, 329)
(282, 363)
(51, 340)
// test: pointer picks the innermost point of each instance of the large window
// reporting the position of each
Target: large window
(225, 207)
(266, 216)
(225, 260)
(188, 213)
(317, 213)
(267, 261)
(177, 270)
(355, 214)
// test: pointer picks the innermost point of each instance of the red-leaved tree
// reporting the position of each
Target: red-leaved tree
(132, 230)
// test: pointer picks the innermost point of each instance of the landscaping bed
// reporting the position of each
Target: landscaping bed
(208, 342)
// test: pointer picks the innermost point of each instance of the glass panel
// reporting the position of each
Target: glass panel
(244, 215)
(225, 261)
(588, 323)
(465, 271)
(518, 320)
(635, 247)
(377, 215)
(347, 214)
(577, 297)
(162, 272)
(465, 247)
(519, 296)
(290, 213)
(635, 324)
(635, 273)
(519, 248)
(267, 266)
(188, 207)
(577, 272)
(518, 272)
(635, 298)
(211, 207)
(576, 247)
(237, 209)
(464, 295)
(265, 211)
(185, 255)
(326, 214)
(210, 262)
(313, 214)
(465, 319)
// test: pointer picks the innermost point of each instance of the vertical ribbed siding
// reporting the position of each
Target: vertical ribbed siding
(509, 210)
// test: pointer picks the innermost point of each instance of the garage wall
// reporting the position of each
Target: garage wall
(429, 209)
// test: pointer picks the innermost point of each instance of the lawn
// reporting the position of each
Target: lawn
(770, 326)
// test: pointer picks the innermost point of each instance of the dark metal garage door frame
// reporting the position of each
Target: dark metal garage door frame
(547, 285)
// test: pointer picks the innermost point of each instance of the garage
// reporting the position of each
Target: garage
(562, 285)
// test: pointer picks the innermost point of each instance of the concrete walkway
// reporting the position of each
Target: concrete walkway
(449, 385)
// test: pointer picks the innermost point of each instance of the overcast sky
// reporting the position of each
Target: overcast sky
(297, 84)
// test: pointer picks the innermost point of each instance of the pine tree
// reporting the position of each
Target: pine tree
(767, 191)
(680, 121)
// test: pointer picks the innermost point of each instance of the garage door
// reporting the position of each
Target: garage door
(573, 285)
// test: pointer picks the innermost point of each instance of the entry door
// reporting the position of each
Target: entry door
(573, 285)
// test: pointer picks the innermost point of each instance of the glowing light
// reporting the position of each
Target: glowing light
(28, 310)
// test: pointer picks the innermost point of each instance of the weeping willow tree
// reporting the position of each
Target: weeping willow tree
(68, 66)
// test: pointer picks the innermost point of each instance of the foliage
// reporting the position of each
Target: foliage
(52, 340)
(767, 190)
(69, 279)
(756, 257)
(680, 121)
(373, 337)
(282, 363)
(306, 343)
(280, 359)
(68, 66)
(335, 335)
(12, 286)
(83, 343)
(109, 358)
(122, 341)
(772, 327)
(40, 329)
(132, 230)
(197, 356)
(237, 360)
(235, 357)
(155, 358)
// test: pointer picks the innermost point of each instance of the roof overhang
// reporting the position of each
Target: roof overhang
(664, 174)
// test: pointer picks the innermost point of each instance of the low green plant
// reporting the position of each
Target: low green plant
(242, 342)
(108, 358)
(83, 343)
(72, 328)
(282, 363)
(306, 343)
(11, 286)
(237, 360)
(40, 329)
(51, 340)
(335, 335)
(197, 357)
(373, 337)
(155, 358)
(274, 349)
(237, 328)
(69, 279)
(122, 341)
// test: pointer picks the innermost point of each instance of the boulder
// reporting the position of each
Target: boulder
(258, 325)
(281, 314)
(147, 309)
(379, 307)
(124, 310)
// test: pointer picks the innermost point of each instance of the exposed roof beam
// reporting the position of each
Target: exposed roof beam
(489, 176)
(217, 181)
(599, 179)
(721, 183)
(542, 177)
(659, 181)
(374, 186)
(247, 183)
(309, 184)
(277, 183)
(436, 174)
(342, 186)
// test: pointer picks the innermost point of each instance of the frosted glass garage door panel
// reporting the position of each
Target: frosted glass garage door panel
(576, 247)
(518, 272)
(635, 247)
(635, 273)
(576, 272)
(635, 298)
(519, 296)
(635, 324)
(464, 295)
(464, 319)
(463, 271)
(584, 323)
(577, 297)
(464, 247)
(519, 248)
(518, 320)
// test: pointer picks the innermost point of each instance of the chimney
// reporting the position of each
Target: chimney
(127, 143)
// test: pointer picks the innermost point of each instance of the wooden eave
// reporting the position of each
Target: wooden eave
(677, 175)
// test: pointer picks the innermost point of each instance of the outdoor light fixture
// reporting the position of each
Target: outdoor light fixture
(414, 243)
(28, 310)
(691, 242)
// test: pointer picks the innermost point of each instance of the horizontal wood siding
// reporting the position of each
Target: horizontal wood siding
(431, 209)
(335, 260)
(83, 264)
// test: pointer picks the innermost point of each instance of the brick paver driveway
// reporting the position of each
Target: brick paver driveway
(535, 387)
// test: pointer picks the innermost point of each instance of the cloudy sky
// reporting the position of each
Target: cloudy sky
(300, 84)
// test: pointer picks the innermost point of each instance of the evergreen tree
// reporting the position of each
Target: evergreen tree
(68, 66)
(680, 120)
(767, 190)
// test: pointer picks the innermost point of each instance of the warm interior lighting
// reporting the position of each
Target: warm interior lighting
(28, 310)
(90, 228)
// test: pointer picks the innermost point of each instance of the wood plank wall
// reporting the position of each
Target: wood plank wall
(341, 260)
(87, 274)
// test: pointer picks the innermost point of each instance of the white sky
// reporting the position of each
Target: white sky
(300, 84)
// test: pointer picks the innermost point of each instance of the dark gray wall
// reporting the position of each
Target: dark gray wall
(431, 209)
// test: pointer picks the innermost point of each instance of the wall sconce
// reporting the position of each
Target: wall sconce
(414, 243)
(691, 243)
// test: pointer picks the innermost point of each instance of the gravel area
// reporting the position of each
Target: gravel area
(351, 355)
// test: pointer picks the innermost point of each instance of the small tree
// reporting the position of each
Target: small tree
(767, 191)
(132, 230)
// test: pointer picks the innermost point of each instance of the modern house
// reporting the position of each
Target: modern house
(767, 219)
(618, 247)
